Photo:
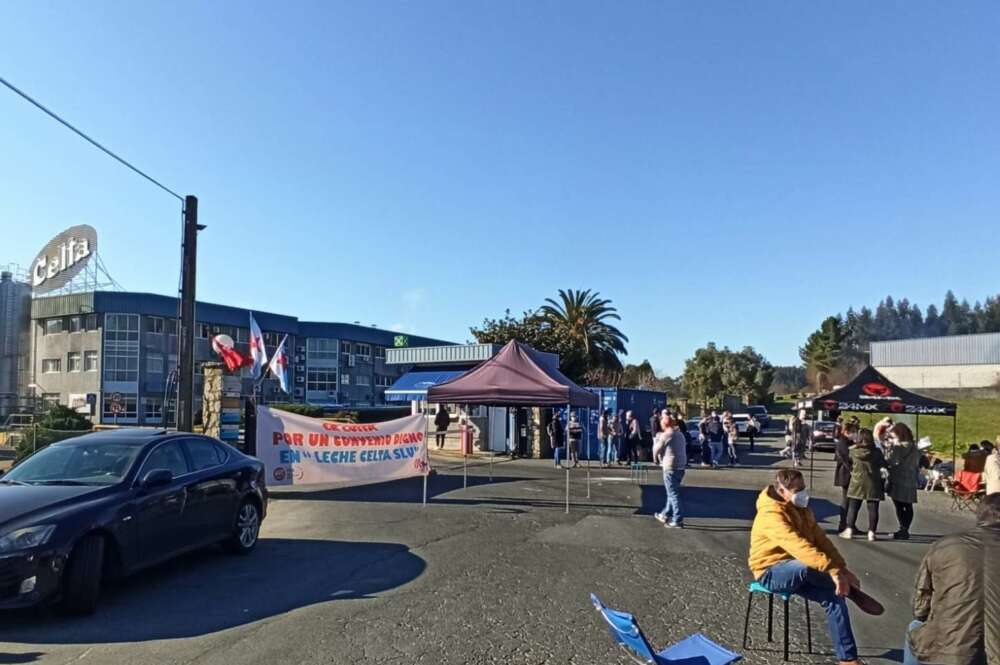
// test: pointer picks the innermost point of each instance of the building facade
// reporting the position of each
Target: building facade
(15, 306)
(954, 362)
(117, 352)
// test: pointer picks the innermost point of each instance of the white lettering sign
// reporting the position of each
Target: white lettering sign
(63, 258)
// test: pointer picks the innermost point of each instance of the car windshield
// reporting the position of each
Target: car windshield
(77, 464)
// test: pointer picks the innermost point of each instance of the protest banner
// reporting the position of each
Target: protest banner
(298, 450)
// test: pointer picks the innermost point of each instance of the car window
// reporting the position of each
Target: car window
(204, 454)
(100, 463)
(167, 456)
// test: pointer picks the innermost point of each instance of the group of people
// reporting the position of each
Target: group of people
(956, 601)
(559, 435)
(718, 436)
(871, 463)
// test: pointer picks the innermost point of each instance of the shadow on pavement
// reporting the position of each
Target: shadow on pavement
(12, 658)
(210, 591)
(721, 502)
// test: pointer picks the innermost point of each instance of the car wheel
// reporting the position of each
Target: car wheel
(247, 529)
(82, 579)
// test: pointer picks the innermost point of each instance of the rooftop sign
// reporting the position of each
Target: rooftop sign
(63, 258)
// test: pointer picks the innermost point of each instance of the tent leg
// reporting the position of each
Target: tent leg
(427, 466)
(590, 450)
(567, 491)
(465, 471)
(954, 442)
(566, 443)
(918, 427)
(425, 488)
(812, 458)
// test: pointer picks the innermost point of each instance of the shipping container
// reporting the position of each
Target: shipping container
(615, 400)
(982, 349)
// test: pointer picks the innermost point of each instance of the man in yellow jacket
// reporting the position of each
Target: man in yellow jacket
(790, 553)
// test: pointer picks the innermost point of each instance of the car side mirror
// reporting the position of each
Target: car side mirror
(157, 478)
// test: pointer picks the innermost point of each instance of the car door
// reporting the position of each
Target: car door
(160, 512)
(212, 490)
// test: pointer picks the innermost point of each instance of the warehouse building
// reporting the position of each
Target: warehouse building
(95, 349)
(955, 362)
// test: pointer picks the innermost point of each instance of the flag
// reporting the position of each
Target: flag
(279, 365)
(258, 354)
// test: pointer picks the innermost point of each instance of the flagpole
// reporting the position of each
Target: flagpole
(427, 467)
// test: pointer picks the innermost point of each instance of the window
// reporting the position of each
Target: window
(321, 349)
(121, 347)
(170, 326)
(74, 362)
(345, 379)
(242, 335)
(345, 348)
(380, 353)
(129, 407)
(272, 339)
(51, 366)
(363, 380)
(152, 409)
(364, 350)
(90, 361)
(75, 324)
(91, 322)
(154, 363)
(154, 324)
(383, 381)
(204, 454)
(203, 331)
(50, 398)
(319, 379)
(166, 456)
(53, 326)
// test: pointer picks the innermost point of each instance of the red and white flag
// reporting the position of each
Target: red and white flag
(279, 365)
(258, 354)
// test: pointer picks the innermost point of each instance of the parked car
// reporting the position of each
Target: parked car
(762, 416)
(108, 504)
(742, 422)
(694, 445)
(823, 434)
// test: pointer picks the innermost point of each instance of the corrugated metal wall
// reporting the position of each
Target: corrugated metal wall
(956, 350)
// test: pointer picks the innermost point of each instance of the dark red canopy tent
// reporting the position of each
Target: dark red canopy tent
(516, 376)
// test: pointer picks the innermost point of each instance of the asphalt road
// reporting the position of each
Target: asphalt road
(494, 573)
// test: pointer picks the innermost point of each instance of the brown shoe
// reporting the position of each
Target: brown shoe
(865, 603)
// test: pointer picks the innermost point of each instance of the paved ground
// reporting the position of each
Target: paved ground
(495, 573)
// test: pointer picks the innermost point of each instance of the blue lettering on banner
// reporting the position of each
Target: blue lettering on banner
(348, 456)
(289, 456)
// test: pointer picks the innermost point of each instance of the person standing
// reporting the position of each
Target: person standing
(557, 435)
(842, 470)
(904, 466)
(867, 463)
(441, 423)
(604, 437)
(716, 437)
(634, 438)
(706, 449)
(956, 602)
(575, 436)
(732, 436)
(991, 473)
(620, 436)
(654, 424)
(753, 429)
(670, 451)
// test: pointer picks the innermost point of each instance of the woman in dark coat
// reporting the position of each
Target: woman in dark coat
(842, 472)
(904, 467)
(867, 463)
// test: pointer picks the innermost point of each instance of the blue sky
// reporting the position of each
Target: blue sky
(729, 172)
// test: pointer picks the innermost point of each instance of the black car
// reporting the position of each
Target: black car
(105, 505)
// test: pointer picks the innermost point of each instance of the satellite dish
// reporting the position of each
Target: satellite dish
(222, 343)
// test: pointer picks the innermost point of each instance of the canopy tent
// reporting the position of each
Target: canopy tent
(871, 392)
(516, 376)
(413, 386)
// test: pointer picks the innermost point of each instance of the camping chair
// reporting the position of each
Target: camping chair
(694, 650)
(965, 489)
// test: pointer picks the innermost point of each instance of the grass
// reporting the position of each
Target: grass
(978, 419)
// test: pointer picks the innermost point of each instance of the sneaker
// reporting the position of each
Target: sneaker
(846, 534)
(871, 536)
(660, 518)
(674, 525)
(901, 535)
(865, 603)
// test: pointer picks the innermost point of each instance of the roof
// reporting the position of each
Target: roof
(131, 435)
(516, 376)
(870, 391)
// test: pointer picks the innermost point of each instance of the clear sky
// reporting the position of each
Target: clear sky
(729, 171)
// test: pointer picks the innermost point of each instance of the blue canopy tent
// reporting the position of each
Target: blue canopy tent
(413, 386)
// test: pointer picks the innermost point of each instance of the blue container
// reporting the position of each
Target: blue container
(641, 402)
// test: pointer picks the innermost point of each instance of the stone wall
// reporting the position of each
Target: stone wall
(211, 404)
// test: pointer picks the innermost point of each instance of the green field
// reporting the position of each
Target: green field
(978, 419)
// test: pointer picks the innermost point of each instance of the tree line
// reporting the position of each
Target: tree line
(840, 346)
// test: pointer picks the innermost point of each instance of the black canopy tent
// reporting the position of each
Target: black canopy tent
(871, 392)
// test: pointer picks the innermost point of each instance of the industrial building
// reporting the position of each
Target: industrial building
(97, 348)
(943, 363)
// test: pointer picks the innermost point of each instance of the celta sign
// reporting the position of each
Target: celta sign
(63, 258)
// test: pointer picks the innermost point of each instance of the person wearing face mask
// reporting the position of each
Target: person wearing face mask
(670, 451)
(842, 471)
(790, 553)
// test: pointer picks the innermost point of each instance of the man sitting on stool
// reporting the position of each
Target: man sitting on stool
(790, 553)
(957, 598)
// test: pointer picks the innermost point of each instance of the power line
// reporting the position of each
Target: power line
(90, 140)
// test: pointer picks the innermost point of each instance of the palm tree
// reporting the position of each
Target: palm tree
(584, 316)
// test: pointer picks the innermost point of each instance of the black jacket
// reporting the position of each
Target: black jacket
(442, 420)
(957, 595)
(842, 456)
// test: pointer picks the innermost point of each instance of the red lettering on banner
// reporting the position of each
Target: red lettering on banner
(319, 439)
(275, 438)
(331, 427)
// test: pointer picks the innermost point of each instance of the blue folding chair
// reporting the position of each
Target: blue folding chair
(694, 650)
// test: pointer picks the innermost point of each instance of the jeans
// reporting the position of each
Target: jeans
(558, 452)
(609, 451)
(706, 451)
(795, 577)
(672, 483)
(908, 657)
(733, 457)
(716, 447)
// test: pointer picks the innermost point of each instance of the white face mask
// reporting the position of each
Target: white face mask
(799, 499)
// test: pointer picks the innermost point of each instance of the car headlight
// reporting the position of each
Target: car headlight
(23, 539)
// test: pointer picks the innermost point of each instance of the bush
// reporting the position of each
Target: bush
(58, 424)
(300, 409)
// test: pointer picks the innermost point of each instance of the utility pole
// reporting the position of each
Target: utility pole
(185, 334)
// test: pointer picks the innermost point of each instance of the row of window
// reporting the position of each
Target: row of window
(319, 379)
(75, 362)
(70, 324)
